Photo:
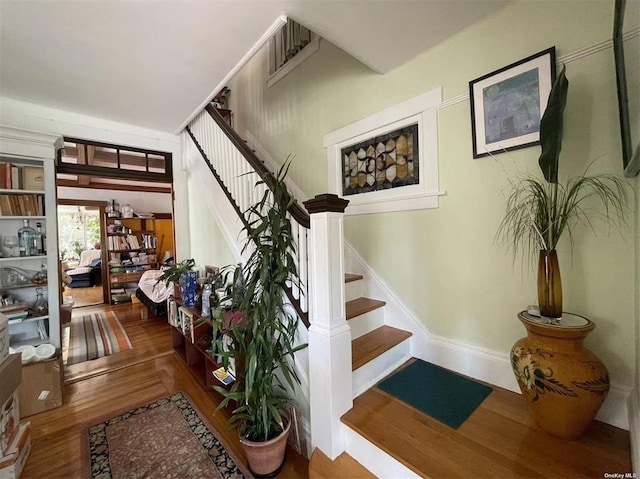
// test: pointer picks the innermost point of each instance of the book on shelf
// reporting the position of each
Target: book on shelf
(224, 376)
(21, 205)
(15, 177)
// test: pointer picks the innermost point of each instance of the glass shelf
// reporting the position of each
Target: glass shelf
(7, 217)
(21, 258)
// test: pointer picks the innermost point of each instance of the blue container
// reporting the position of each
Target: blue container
(189, 288)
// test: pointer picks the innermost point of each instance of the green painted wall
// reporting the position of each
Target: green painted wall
(444, 263)
(207, 245)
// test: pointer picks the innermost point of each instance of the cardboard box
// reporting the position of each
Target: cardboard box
(10, 376)
(12, 463)
(41, 387)
(9, 422)
(4, 337)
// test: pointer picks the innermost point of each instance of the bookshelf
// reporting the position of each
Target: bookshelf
(191, 338)
(131, 250)
(28, 194)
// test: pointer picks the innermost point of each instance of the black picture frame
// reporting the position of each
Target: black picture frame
(630, 153)
(507, 104)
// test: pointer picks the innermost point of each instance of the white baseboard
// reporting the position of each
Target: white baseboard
(493, 367)
(634, 429)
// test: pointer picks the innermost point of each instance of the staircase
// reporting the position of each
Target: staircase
(377, 348)
(351, 419)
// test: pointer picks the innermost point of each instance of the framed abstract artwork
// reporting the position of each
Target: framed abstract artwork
(507, 104)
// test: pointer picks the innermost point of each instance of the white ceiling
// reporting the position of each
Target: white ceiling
(152, 63)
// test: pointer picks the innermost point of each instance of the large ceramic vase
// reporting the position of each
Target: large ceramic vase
(563, 383)
(549, 284)
(266, 458)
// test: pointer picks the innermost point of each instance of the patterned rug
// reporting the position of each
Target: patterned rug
(94, 336)
(164, 439)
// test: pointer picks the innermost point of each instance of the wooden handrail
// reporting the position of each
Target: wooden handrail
(297, 212)
(304, 316)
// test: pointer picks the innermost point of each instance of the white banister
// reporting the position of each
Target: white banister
(239, 178)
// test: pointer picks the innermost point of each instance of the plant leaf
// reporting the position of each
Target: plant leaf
(551, 128)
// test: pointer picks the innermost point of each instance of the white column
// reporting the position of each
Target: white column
(329, 334)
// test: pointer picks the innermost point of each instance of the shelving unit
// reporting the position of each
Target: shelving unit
(196, 354)
(131, 241)
(31, 153)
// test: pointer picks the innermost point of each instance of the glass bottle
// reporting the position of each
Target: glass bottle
(40, 307)
(27, 240)
(40, 249)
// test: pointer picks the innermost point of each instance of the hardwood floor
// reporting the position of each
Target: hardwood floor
(92, 295)
(117, 384)
(149, 336)
(498, 440)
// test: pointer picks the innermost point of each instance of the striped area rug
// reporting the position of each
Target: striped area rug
(94, 336)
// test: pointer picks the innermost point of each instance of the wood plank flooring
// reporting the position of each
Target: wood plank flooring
(90, 296)
(344, 467)
(119, 384)
(149, 336)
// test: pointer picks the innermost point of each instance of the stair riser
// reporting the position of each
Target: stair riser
(353, 290)
(371, 373)
(373, 458)
(365, 323)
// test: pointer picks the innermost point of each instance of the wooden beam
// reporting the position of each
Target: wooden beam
(113, 186)
(83, 155)
(109, 158)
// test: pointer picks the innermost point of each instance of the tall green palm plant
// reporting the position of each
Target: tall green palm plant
(263, 347)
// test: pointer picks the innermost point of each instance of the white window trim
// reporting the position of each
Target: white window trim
(422, 110)
(312, 47)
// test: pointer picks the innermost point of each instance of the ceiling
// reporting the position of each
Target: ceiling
(152, 63)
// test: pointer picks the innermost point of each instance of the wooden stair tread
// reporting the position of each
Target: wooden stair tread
(373, 344)
(343, 467)
(350, 277)
(359, 306)
(499, 439)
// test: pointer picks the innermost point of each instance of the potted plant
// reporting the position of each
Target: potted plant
(263, 344)
(564, 384)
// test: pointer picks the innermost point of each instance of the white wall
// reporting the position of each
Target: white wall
(140, 202)
(444, 264)
(38, 118)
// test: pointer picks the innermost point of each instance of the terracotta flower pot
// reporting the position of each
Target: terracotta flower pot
(266, 458)
(563, 383)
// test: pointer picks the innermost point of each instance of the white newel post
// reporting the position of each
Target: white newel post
(329, 334)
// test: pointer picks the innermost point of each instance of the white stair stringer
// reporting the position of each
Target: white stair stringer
(369, 374)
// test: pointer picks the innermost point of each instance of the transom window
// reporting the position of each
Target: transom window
(82, 157)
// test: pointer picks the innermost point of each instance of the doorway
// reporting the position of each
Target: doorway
(82, 259)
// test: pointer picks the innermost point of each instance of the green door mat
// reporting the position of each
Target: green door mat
(437, 392)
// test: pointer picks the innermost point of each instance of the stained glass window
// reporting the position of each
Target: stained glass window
(383, 162)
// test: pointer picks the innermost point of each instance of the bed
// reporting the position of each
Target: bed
(89, 270)
(152, 294)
